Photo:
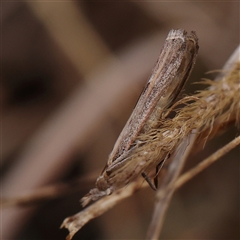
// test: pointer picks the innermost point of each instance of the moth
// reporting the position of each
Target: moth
(131, 156)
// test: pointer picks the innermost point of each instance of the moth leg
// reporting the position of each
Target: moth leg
(154, 184)
(147, 178)
(158, 169)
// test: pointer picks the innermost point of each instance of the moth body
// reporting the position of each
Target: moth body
(132, 156)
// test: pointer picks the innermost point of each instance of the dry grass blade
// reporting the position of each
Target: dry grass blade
(77, 221)
(222, 102)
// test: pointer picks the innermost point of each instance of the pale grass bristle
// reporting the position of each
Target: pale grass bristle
(218, 102)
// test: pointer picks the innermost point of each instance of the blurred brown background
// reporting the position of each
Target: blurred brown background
(71, 74)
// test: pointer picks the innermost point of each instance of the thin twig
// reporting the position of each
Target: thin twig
(204, 164)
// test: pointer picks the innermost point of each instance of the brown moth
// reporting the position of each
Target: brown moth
(130, 156)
